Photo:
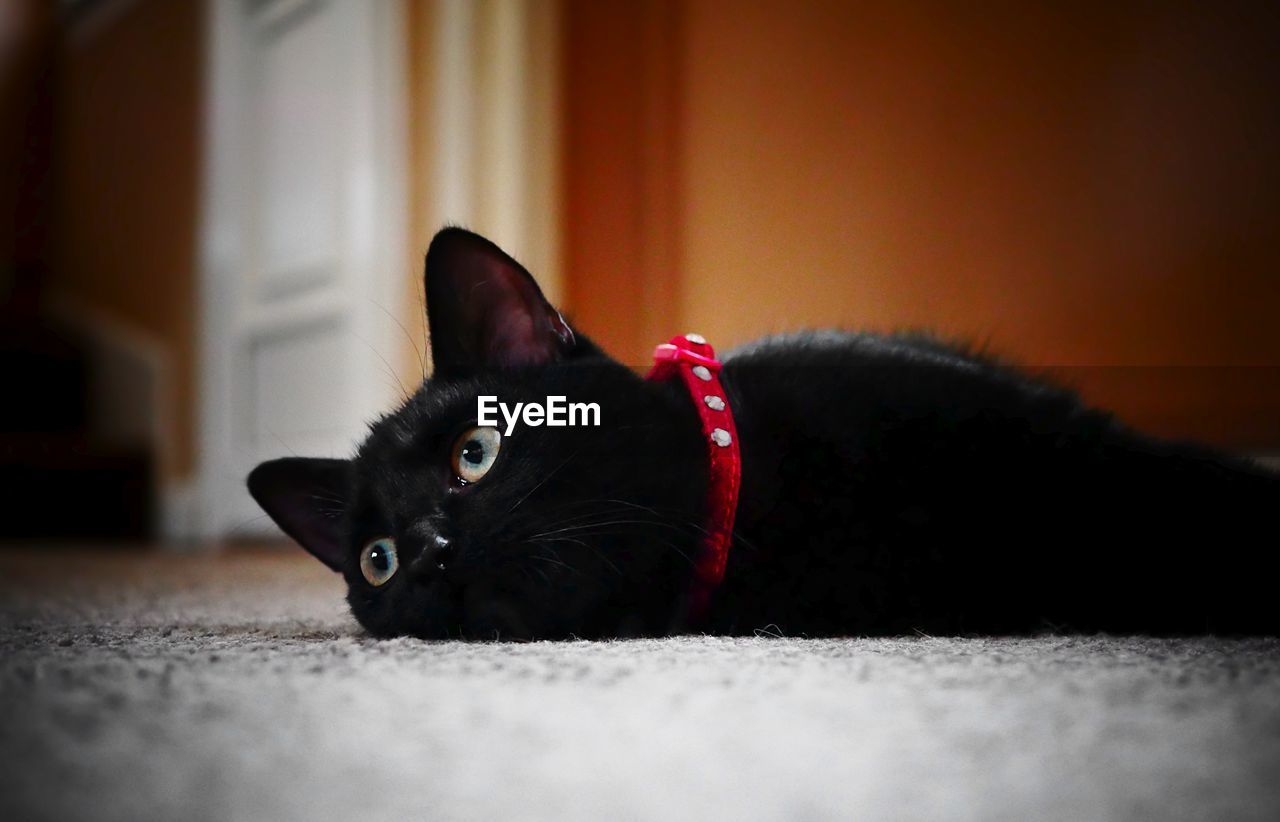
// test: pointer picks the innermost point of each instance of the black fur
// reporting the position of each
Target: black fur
(891, 484)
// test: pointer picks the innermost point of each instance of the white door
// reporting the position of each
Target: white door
(303, 245)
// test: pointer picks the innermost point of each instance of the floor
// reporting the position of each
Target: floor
(137, 686)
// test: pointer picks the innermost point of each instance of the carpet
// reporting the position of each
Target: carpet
(151, 685)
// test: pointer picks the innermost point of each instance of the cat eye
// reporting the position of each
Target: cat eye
(474, 453)
(378, 561)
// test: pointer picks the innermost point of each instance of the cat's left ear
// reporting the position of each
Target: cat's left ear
(485, 310)
(306, 498)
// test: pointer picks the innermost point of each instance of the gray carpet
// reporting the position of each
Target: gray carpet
(138, 687)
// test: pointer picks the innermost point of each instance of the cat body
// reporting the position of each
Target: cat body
(890, 484)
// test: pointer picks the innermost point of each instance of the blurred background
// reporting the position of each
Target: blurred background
(213, 212)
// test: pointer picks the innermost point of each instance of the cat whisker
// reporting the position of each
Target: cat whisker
(655, 511)
(585, 521)
(551, 561)
(594, 514)
(407, 335)
(588, 540)
(242, 528)
(534, 527)
(687, 523)
(542, 482)
(528, 572)
(688, 559)
(612, 565)
(592, 526)
(391, 372)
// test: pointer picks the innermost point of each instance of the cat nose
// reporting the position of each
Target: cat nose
(436, 552)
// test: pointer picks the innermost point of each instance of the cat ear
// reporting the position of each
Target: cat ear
(306, 498)
(484, 310)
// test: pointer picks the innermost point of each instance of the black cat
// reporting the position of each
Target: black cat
(889, 484)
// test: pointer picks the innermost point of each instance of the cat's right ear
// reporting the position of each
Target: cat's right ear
(306, 498)
(485, 310)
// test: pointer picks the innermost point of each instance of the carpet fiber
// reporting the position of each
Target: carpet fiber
(154, 686)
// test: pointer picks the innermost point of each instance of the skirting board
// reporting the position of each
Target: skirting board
(177, 514)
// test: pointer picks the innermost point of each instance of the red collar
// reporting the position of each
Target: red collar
(695, 361)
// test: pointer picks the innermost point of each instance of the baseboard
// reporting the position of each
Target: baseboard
(178, 514)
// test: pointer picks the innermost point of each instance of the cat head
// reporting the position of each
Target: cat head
(443, 527)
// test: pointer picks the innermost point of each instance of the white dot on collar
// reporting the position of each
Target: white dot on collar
(721, 437)
(702, 373)
(696, 339)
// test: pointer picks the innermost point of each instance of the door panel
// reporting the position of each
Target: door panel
(305, 415)
(298, 113)
(304, 249)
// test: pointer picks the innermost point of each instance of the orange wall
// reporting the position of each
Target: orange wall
(1091, 186)
(621, 136)
(127, 176)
